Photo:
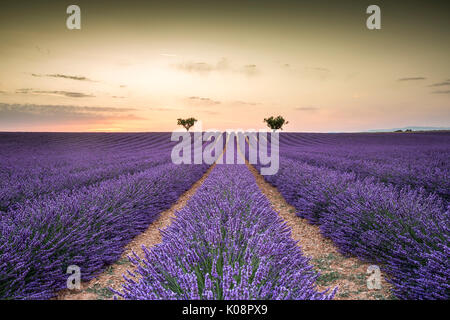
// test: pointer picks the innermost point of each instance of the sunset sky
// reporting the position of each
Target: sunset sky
(140, 65)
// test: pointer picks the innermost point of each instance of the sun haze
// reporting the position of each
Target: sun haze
(140, 65)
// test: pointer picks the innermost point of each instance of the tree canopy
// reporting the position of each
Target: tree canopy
(186, 123)
(275, 123)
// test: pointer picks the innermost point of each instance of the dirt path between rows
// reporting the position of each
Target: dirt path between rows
(98, 287)
(349, 274)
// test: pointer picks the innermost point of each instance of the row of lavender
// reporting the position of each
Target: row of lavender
(414, 159)
(404, 227)
(33, 165)
(70, 220)
(226, 243)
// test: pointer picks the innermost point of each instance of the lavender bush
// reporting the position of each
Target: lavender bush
(227, 243)
(419, 160)
(32, 166)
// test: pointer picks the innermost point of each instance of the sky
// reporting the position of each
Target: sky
(139, 65)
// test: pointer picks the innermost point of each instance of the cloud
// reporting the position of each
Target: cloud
(66, 93)
(221, 66)
(441, 92)
(61, 108)
(196, 67)
(203, 67)
(24, 90)
(102, 109)
(440, 84)
(412, 79)
(11, 114)
(69, 94)
(306, 108)
(245, 103)
(250, 70)
(203, 101)
(64, 76)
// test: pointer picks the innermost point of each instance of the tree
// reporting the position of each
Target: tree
(186, 123)
(276, 123)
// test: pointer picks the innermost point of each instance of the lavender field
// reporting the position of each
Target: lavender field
(382, 197)
(79, 199)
